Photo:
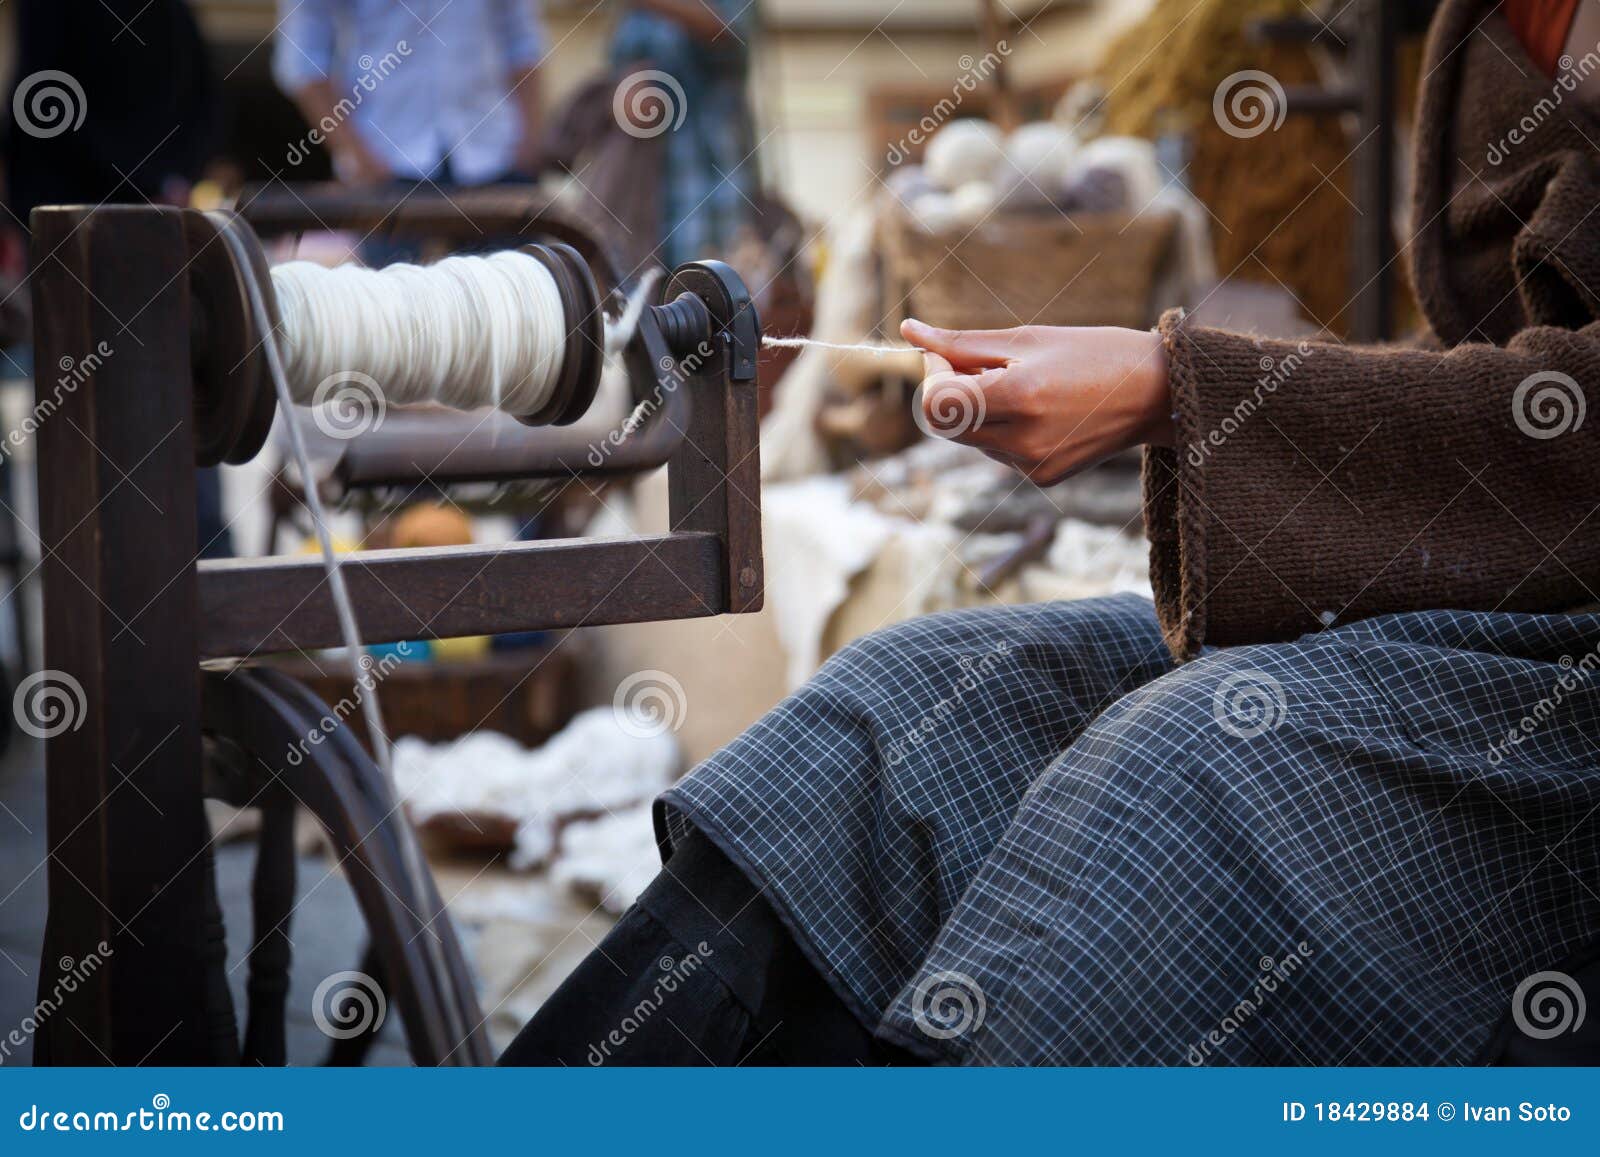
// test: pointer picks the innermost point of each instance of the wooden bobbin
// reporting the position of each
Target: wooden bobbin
(234, 400)
(584, 355)
(233, 396)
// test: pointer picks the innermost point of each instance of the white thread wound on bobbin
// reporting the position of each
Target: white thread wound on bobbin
(464, 332)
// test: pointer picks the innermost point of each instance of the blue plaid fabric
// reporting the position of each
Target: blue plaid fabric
(708, 163)
(1022, 835)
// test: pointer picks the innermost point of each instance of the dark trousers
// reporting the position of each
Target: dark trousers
(699, 972)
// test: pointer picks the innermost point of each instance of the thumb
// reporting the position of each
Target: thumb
(966, 349)
(935, 366)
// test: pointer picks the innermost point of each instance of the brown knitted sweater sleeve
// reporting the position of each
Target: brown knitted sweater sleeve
(1314, 484)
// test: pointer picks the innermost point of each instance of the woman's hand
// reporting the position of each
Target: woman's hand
(1047, 400)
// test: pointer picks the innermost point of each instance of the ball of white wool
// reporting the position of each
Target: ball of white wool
(963, 151)
(935, 212)
(972, 202)
(1035, 166)
(1040, 152)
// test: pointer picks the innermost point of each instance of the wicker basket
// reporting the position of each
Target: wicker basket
(1090, 269)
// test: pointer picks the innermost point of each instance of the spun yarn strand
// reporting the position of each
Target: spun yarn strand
(876, 349)
(464, 332)
(413, 864)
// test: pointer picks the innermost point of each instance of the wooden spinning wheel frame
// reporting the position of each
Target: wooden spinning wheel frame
(130, 614)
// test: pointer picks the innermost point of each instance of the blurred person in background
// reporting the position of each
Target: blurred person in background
(113, 101)
(703, 49)
(442, 91)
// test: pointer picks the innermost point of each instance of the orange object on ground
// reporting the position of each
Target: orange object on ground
(431, 524)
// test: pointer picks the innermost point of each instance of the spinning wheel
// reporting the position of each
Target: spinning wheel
(130, 615)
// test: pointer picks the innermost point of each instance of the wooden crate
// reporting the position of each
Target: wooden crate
(527, 694)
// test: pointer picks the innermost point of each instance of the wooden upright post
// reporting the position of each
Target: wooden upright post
(129, 868)
(714, 477)
(1372, 241)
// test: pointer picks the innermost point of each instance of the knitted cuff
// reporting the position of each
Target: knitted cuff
(1174, 505)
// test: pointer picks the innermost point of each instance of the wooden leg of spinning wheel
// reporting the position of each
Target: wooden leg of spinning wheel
(350, 1052)
(221, 1027)
(267, 716)
(272, 895)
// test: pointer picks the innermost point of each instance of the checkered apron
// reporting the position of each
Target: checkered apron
(1022, 835)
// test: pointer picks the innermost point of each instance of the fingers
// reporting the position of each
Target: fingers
(936, 369)
(935, 365)
(961, 406)
(965, 349)
(949, 404)
(979, 410)
(991, 391)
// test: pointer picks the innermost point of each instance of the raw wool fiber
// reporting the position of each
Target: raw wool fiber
(604, 760)
(1279, 221)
